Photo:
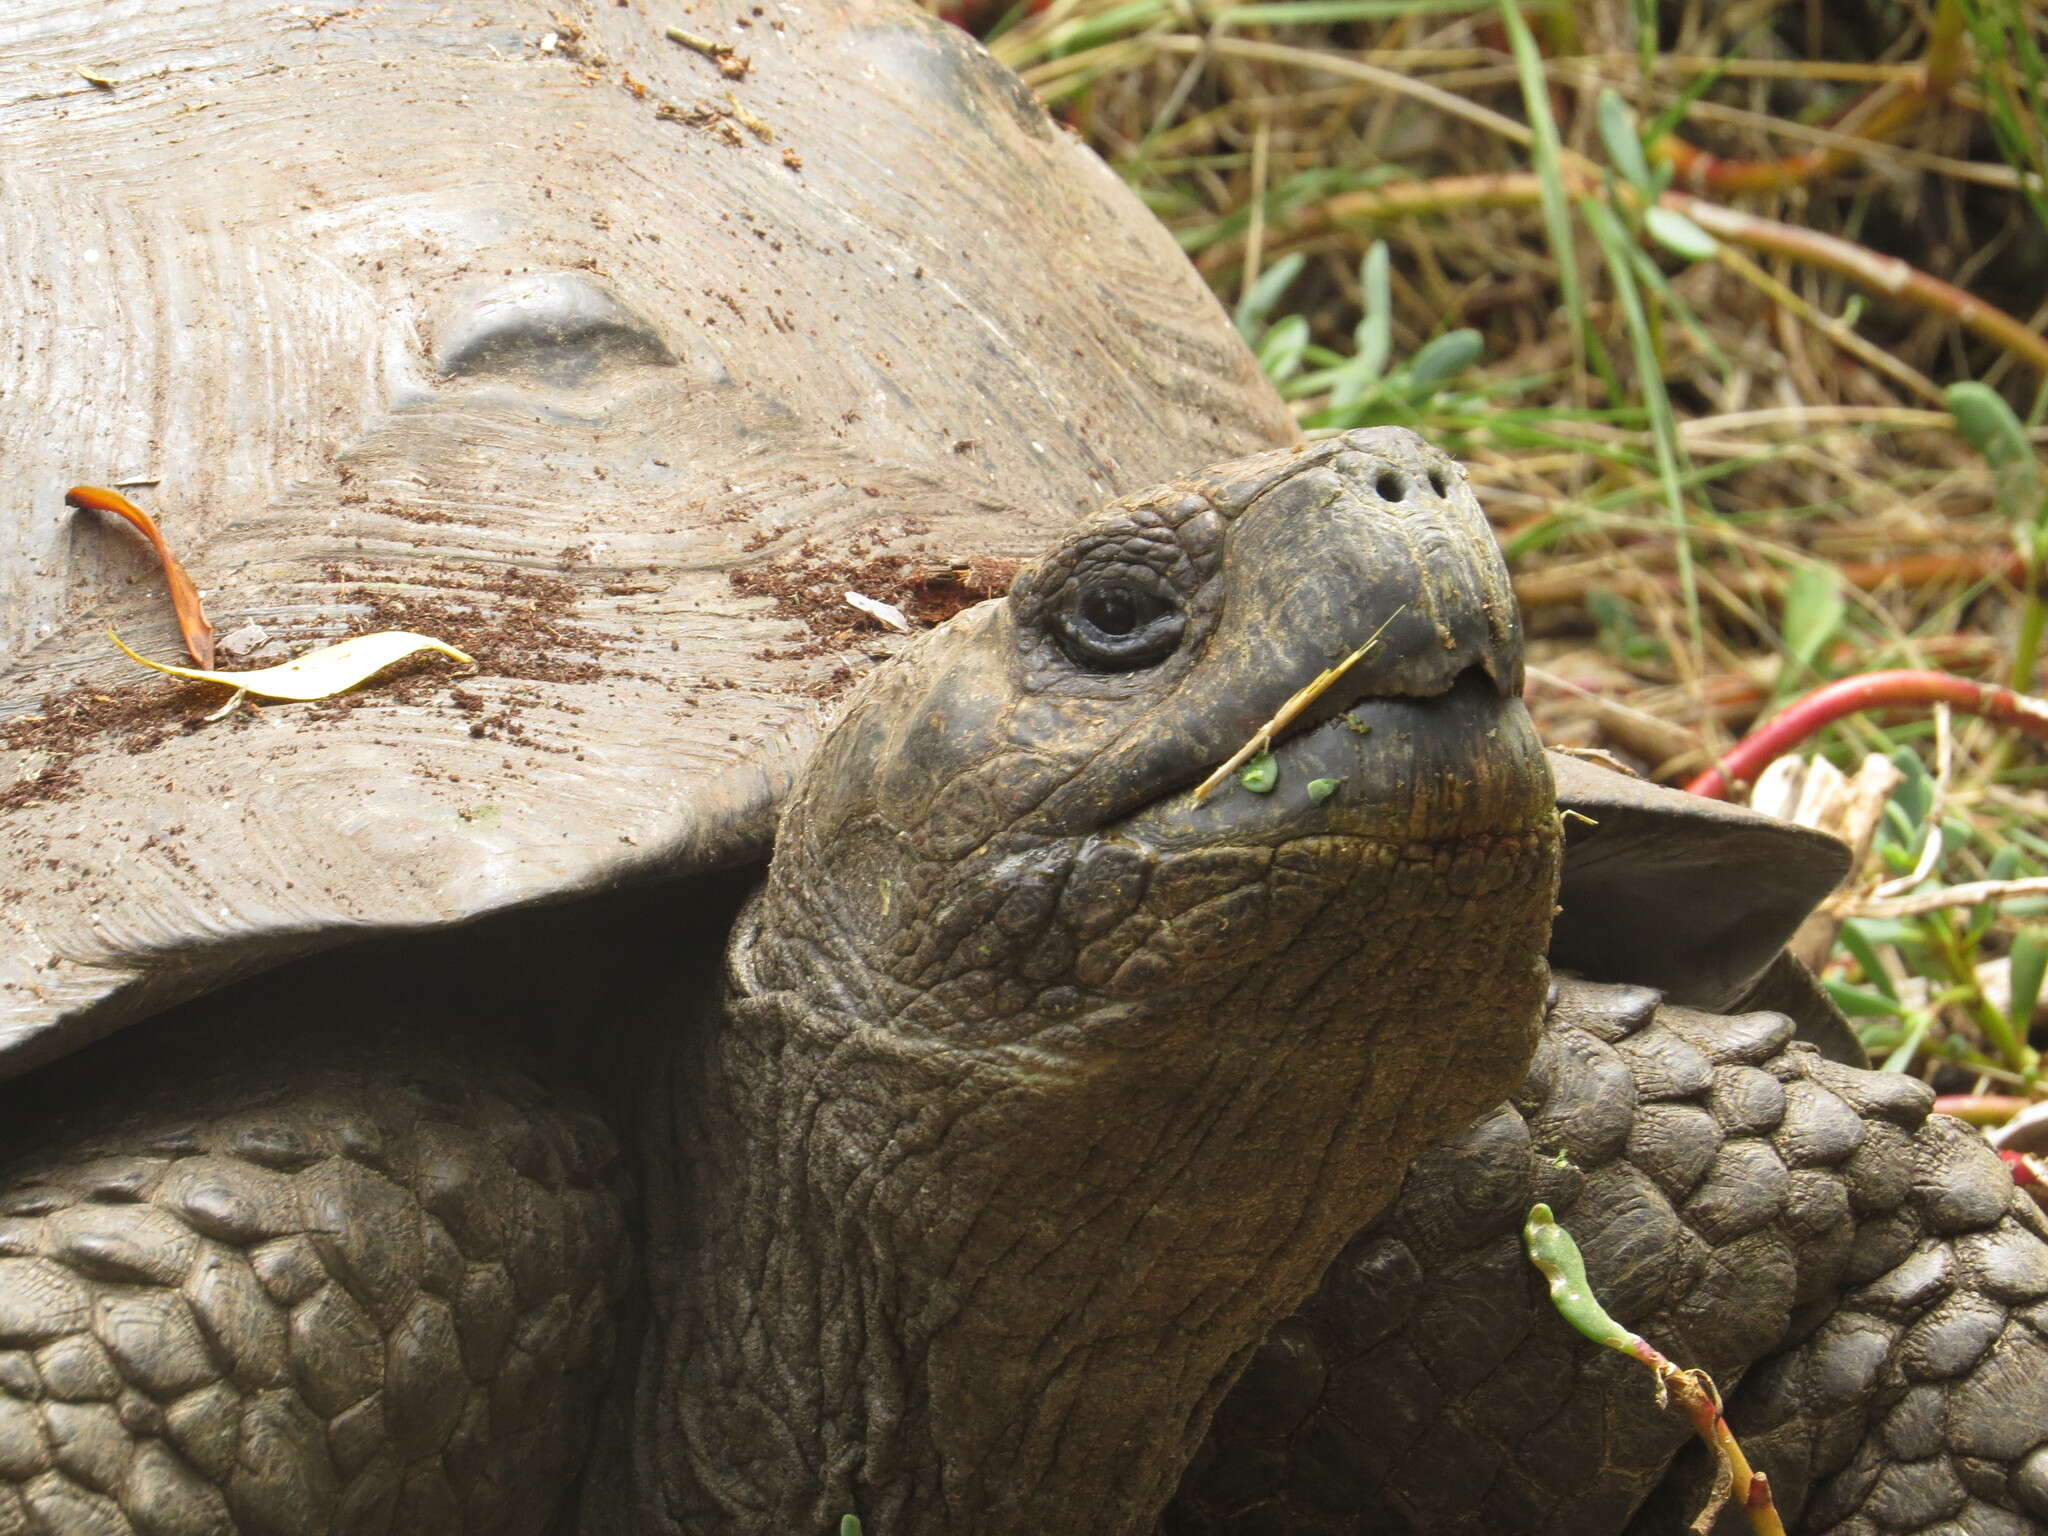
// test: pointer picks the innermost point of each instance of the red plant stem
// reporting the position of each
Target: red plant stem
(1852, 695)
(1985, 1109)
(1701, 1404)
(1946, 57)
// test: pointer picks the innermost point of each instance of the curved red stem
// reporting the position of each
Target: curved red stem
(1873, 690)
(1989, 1110)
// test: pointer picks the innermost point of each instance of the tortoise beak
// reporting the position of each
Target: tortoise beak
(1461, 764)
(1383, 540)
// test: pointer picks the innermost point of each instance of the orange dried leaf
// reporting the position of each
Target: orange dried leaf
(192, 621)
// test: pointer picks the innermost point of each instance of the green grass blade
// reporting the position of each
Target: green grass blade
(1624, 147)
(1618, 249)
(1547, 152)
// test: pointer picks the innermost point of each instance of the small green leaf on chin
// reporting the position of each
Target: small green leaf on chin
(1260, 774)
(1320, 790)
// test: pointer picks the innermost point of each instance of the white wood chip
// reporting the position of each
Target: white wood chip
(887, 613)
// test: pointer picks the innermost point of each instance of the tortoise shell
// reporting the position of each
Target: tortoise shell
(611, 358)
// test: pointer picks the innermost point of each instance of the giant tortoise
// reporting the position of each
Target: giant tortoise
(427, 1117)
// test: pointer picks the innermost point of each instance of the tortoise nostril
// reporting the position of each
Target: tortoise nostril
(1390, 485)
(1438, 483)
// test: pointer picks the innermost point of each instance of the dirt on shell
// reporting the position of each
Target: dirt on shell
(515, 624)
(810, 586)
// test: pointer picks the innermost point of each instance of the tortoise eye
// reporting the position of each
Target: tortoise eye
(1114, 623)
(1117, 610)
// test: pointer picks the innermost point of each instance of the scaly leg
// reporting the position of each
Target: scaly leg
(1739, 1200)
(1918, 1405)
(281, 1282)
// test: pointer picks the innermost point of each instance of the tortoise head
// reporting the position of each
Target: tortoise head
(1088, 1073)
(1018, 823)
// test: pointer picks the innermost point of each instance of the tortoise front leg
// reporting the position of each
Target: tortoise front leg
(1861, 1277)
(1917, 1405)
(295, 1284)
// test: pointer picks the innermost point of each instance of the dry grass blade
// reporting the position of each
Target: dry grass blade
(1883, 114)
(1285, 715)
(1948, 897)
(1884, 276)
(192, 621)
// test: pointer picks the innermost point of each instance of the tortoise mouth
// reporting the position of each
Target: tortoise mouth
(1462, 763)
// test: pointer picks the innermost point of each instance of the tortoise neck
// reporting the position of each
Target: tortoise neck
(876, 1294)
(844, 1326)
(969, 1253)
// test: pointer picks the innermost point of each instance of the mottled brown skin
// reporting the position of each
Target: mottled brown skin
(1036, 1094)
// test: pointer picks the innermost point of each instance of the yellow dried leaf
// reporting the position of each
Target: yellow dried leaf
(317, 674)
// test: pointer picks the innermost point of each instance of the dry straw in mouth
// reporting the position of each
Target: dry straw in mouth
(1284, 716)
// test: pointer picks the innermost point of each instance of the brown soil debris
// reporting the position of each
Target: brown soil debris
(516, 624)
(142, 714)
(810, 586)
(712, 120)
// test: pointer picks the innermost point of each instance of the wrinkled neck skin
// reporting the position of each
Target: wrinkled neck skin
(983, 1258)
